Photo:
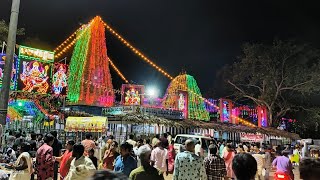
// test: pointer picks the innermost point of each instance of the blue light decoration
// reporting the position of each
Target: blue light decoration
(14, 74)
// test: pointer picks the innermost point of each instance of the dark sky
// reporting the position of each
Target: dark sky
(199, 36)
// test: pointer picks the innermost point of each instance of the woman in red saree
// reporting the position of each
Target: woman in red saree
(110, 155)
(228, 156)
(172, 156)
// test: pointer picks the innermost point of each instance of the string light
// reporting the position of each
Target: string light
(72, 36)
(118, 71)
(137, 52)
(244, 122)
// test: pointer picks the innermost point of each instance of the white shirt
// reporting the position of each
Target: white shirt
(159, 156)
(197, 150)
(85, 169)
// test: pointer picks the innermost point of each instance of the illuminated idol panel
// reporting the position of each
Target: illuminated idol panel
(14, 72)
(35, 70)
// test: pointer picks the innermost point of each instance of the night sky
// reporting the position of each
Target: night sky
(199, 36)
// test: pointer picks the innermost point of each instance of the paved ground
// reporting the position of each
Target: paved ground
(295, 171)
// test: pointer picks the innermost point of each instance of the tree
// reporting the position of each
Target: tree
(275, 75)
(4, 30)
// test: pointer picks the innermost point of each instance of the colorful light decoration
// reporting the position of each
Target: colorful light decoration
(14, 73)
(90, 62)
(196, 107)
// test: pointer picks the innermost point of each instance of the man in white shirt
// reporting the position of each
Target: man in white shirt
(131, 141)
(81, 167)
(159, 158)
(260, 158)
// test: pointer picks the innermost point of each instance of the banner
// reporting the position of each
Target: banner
(86, 124)
(251, 137)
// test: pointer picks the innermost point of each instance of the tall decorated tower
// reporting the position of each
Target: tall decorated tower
(89, 75)
(184, 94)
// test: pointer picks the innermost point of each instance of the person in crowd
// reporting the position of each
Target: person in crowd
(10, 139)
(267, 163)
(56, 147)
(88, 144)
(93, 158)
(65, 159)
(164, 140)
(214, 164)
(33, 142)
(155, 140)
(102, 142)
(244, 166)
(283, 165)
(40, 141)
(159, 158)
(145, 171)
(125, 162)
(169, 137)
(135, 150)
(110, 155)
(199, 151)
(221, 148)
(109, 142)
(240, 149)
(131, 140)
(228, 156)
(188, 165)
(81, 166)
(23, 166)
(44, 159)
(309, 169)
(108, 175)
(138, 144)
(296, 156)
(171, 157)
(148, 142)
(19, 139)
(10, 155)
(260, 158)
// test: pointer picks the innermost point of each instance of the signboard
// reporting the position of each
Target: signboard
(14, 75)
(143, 129)
(165, 113)
(35, 54)
(132, 94)
(59, 79)
(251, 137)
(86, 124)
(35, 70)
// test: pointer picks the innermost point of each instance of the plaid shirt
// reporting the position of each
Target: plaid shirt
(215, 167)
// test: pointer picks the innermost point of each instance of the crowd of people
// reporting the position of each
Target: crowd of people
(144, 159)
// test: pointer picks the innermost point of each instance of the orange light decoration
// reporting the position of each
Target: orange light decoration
(244, 122)
(137, 52)
(118, 71)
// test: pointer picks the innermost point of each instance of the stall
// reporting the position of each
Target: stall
(76, 127)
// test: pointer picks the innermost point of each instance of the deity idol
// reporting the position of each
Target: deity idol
(34, 76)
(59, 80)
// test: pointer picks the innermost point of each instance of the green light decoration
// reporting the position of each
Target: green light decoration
(77, 63)
(89, 74)
(196, 106)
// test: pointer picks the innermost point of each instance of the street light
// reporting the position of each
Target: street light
(152, 92)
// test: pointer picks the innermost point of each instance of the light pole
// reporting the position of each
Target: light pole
(4, 94)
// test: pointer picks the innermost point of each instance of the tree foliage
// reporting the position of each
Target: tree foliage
(4, 30)
(275, 75)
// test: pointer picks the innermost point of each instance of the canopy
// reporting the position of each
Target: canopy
(86, 124)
